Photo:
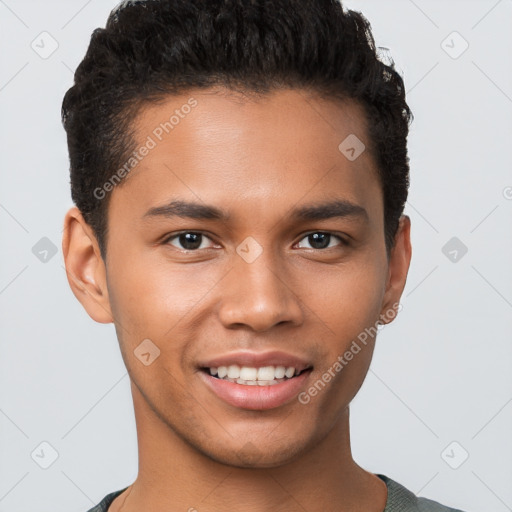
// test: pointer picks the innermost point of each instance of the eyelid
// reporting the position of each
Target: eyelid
(170, 237)
(339, 236)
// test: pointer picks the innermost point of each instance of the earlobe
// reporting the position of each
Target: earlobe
(85, 268)
(398, 268)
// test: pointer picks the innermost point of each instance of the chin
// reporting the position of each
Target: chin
(254, 455)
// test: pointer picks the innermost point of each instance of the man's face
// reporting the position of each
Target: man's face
(262, 279)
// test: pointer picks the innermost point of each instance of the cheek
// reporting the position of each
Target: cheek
(349, 306)
(346, 299)
(162, 303)
(152, 297)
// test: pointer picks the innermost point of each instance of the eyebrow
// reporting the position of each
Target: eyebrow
(339, 208)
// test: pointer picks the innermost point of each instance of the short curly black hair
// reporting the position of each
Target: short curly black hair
(151, 49)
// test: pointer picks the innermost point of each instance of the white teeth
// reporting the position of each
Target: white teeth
(266, 373)
(264, 376)
(234, 371)
(247, 382)
(279, 372)
(248, 373)
(267, 382)
(290, 372)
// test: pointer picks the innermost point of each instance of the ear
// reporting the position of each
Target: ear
(85, 268)
(398, 267)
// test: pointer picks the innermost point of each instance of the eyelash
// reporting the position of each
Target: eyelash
(176, 235)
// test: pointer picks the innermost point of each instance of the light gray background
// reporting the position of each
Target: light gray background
(441, 372)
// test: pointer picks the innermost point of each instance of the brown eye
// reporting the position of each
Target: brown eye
(188, 240)
(322, 240)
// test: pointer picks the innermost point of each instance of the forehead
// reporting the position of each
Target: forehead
(227, 148)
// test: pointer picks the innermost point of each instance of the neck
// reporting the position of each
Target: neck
(173, 475)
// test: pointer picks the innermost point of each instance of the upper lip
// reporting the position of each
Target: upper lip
(257, 360)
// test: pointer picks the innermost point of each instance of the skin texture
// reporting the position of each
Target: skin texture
(256, 158)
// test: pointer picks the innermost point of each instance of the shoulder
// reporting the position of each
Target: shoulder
(401, 499)
(103, 505)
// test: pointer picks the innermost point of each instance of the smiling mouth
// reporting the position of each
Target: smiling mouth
(253, 376)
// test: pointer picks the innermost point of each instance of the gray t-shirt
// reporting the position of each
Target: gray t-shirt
(399, 500)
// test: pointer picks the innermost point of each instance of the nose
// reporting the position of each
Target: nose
(257, 295)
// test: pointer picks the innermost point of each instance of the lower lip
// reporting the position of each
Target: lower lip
(255, 397)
